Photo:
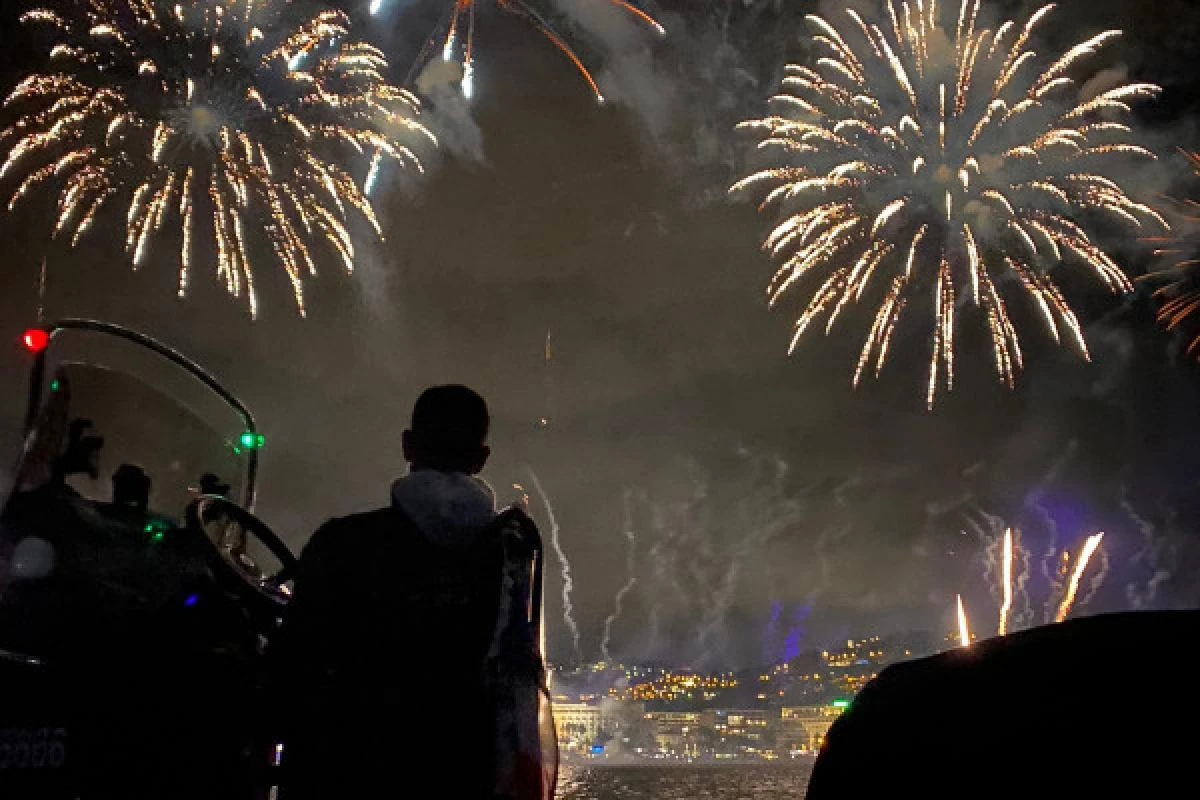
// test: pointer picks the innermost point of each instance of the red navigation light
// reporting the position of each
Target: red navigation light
(35, 340)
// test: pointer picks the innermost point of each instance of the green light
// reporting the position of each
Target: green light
(252, 441)
(158, 537)
(149, 527)
(55, 385)
(841, 703)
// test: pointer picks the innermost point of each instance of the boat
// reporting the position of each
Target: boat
(1095, 707)
(136, 612)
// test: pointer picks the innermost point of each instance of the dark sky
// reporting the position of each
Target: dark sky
(766, 496)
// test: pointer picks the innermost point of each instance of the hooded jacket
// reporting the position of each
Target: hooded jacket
(388, 629)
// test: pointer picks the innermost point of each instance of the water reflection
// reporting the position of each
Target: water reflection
(726, 782)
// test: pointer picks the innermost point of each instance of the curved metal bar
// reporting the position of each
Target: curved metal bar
(198, 372)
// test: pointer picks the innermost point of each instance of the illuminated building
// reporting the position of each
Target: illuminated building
(745, 732)
(678, 733)
(803, 728)
(577, 725)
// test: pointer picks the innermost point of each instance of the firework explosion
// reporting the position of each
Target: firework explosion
(1181, 291)
(926, 156)
(455, 35)
(226, 112)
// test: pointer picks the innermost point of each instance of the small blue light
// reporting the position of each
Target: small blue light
(191, 600)
(597, 749)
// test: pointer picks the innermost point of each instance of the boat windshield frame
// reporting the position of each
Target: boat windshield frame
(201, 375)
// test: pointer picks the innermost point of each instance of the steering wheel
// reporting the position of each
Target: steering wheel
(225, 526)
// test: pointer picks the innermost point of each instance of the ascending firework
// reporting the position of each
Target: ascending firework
(1007, 578)
(964, 632)
(1081, 564)
(455, 35)
(219, 111)
(924, 155)
(1181, 291)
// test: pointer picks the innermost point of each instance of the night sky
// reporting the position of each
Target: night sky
(766, 495)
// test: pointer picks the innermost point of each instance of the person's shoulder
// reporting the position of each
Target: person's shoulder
(341, 532)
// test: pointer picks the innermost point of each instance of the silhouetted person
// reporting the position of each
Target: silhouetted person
(212, 486)
(131, 488)
(382, 654)
(81, 456)
(231, 537)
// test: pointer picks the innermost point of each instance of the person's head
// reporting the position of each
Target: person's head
(82, 454)
(131, 487)
(210, 484)
(449, 431)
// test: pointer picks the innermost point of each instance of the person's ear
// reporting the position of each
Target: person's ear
(481, 459)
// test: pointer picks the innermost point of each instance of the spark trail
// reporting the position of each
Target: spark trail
(1085, 555)
(630, 579)
(1150, 555)
(568, 583)
(1180, 290)
(923, 155)
(454, 36)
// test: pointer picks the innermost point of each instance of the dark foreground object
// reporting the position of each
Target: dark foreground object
(1098, 707)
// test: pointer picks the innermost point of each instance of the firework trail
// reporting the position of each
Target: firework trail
(1056, 567)
(1180, 290)
(41, 308)
(663, 561)
(1081, 564)
(762, 513)
(1097, 580)
(923, 155)
(832, 535)
(1150, 554)
(548, 392)
(630, 580)
(1024, 615)
(568, 583)
(219, 110)
(454, 36)
(1006, 570)
(964, 632)
(1007, 579)
(1051, 570)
